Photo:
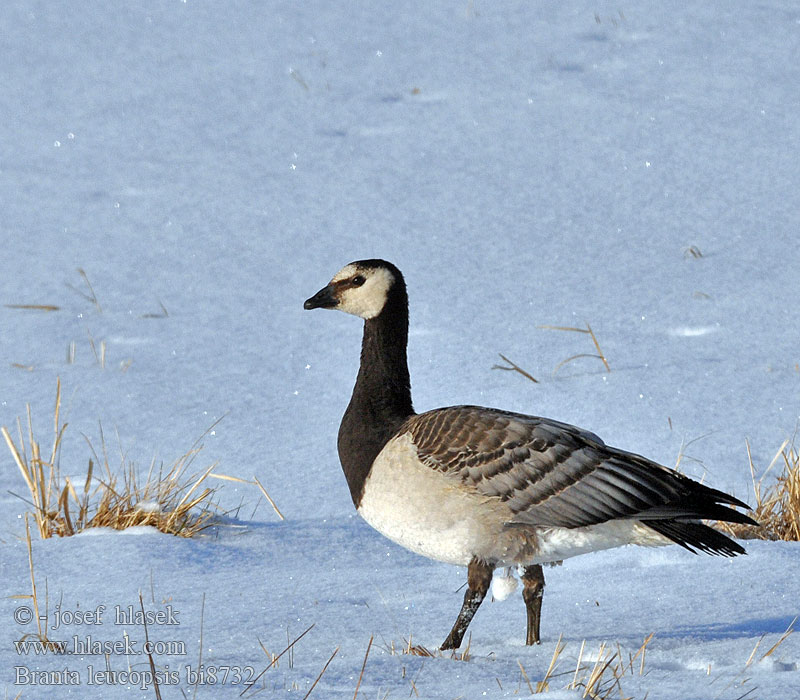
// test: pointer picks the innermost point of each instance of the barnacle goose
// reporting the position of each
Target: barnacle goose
(485, 488)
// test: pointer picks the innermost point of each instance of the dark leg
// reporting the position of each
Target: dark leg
(479, 577)
(532, 592)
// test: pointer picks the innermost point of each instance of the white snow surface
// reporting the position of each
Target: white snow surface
(525, 164)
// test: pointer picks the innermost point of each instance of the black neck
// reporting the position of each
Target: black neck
(381, 398)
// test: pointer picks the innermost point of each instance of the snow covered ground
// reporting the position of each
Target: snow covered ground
(525, 164)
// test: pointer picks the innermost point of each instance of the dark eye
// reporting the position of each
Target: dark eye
(358, 280)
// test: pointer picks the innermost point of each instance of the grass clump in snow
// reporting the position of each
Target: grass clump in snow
(778, 505)
(598, 676)
(408, 648)
(175, 500)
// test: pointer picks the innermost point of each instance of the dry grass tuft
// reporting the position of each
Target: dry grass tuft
(752, 658)
(778, 505)
(410, 649)
(599, 679)
(173, 500)
(742, 678)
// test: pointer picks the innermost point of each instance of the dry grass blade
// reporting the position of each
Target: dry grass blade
(413, 681)
(298, 78)
(363, 666)
(163, 314)
(574, 357)
(578, 666)
(239, 480)
(91, 296)
(600, 353)
(755, 649)
(744, 695)
(41, 635)
(275, 659)
(34, 307)
(682, 454)
(34, 596)
(525, 676)
(267, 496)
(572, 329)
(601, 665)
(417, 649)
(100, 357)
(200, 652)
(513, 367)
(643, 651)
(20, 462)
(463, 655)
(156, 687)
(266, 651)
(784, 637)
(228, 477)
(182, 506)
(543, 685)
(321, 673)
(588, 330)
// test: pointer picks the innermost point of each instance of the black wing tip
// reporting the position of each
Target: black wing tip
(720, 497)
(697, 537)
(728, 515)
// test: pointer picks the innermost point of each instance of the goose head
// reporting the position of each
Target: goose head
(361, 288)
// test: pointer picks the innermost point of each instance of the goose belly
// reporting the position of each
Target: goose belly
(559, 543)
(430, 513)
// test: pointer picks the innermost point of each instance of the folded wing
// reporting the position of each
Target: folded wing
(552, 474)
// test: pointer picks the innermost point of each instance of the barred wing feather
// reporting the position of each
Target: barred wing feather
(552, 474)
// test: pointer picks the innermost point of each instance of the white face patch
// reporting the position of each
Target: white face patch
(368, 300)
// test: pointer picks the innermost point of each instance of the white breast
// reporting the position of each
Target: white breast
(427, 512)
